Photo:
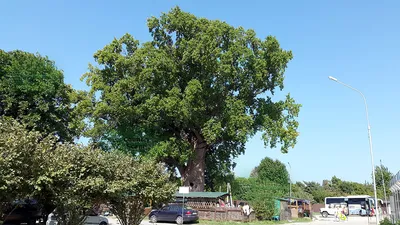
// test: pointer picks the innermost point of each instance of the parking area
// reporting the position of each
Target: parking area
(352, 220)
(113, 221)
(356, 220)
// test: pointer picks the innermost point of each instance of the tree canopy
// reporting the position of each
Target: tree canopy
(199, 87)
(33, 91)
(383, 176)
(272, 170)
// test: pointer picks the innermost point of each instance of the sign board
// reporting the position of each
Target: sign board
(183, 190)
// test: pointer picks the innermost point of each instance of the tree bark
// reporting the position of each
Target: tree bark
(193, 173)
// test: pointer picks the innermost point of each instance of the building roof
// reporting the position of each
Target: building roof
(202, 195)
(358, 196)
(395, 182)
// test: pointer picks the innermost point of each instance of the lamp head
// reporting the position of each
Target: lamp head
(332, 78)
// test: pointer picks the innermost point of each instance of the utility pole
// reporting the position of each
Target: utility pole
(384, 186)
(290, 183)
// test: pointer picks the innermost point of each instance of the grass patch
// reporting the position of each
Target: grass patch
(266, 222)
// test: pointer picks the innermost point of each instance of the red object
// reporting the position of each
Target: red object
(188, 213)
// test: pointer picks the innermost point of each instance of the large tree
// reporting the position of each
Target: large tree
(32, 90)
(198, 87)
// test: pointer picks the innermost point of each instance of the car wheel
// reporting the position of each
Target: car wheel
(103, 223)
(153, 219)
(179, 220)
(324, 214)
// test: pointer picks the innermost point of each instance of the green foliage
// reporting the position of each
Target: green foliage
(74, 178)
(386, 221)
(19, 162)
(34, 165)
(272, 170)
(218, 169)
(387, 176)
(198, 85)
(320, 194)
(260, 194)
(241, 187)
(299, 192)
(335, 187)
(133, 183)
(263, 198)
(32, 90)
(255, 222)
(311, 186)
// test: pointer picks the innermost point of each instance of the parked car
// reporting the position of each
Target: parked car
(174, 213)
(325, 212)
(92, 218)
(21, 211)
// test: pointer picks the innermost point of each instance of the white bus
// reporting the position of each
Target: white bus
(356, 204)
(332, 202)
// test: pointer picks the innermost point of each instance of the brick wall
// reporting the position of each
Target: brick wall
(316, 207)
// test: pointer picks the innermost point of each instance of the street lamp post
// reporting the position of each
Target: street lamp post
(384, 186)
(370, 143)
(290, 186)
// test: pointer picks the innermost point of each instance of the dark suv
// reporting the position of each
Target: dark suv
(174, 213)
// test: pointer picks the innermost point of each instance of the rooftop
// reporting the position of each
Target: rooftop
(202, 195)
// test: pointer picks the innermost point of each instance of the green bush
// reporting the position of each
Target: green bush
(263, 207)
(386, 221)
(260, 195)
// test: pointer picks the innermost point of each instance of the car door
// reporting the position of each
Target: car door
(173, 213)
(162, 214)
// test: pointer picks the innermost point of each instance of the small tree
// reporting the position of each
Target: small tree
(73, 178)
(387, 176)
(19, 165)
(135, 183)
(272, 170)
(57, 175)
(18, 153)
(73, 174)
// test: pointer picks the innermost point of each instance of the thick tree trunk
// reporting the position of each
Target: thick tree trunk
(193, 173)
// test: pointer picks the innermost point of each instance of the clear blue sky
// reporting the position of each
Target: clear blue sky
(356, 41)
